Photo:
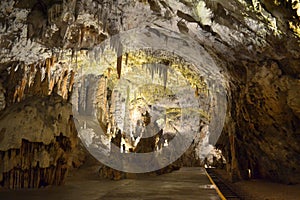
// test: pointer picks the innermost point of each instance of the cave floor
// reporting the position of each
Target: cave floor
(186, 183)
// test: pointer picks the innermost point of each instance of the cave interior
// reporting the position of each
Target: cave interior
(185, 83)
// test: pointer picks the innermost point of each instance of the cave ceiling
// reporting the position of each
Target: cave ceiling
(231, 30)
(211, 36)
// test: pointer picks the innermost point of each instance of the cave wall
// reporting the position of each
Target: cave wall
(262, 133)
(39, 142)
(37, 149)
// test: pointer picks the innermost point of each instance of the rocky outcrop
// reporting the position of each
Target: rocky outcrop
(37, 149)
(38, 138)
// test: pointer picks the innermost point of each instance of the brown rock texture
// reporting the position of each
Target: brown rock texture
(37, 149)
(264, 136)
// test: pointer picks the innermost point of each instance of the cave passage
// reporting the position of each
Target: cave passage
(144, 113)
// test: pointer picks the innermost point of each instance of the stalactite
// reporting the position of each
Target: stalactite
(51, 84)
(36, 87)
(37, 79)
(72, 55)
(30, 77)
(126, 60)
(101, 96)
(116, 45)
(22, 88)
(45, 86)
(197, 91)
(58, 82)
(157, 69)
(165, 75)
(64, 83)
(11, 85)
(20, 83)
(71, 83)
(104, 20)
(96, 52)
(48, 67)
(119, 66)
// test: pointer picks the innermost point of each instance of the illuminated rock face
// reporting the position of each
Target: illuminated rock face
(254, 44)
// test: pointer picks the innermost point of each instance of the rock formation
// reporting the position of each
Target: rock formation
(37, 149)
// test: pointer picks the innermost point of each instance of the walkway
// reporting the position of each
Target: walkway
(184, 184)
